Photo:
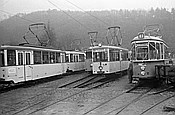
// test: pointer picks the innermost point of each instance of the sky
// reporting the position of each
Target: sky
(27, 6)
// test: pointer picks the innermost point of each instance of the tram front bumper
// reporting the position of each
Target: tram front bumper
(100, 72)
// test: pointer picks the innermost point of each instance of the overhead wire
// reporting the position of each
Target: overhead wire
(69, 15)
(90, 15)
(87, 13)
(94, 17)
(5, 2)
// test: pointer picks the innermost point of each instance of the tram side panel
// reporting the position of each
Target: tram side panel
(76, 66)
(114, 66)
(124, 65)
(12, 73)
(46, 70)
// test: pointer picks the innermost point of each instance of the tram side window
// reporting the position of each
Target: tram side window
(2, 62)
(81, 58)
(45, 56)
(52, 57)
(112, 55)
(75, 58)
(11, 58)
(63, 57)
(28, 59)
(71, 58)
(67, 58)
(133, 53)
(37, 57)
(20, 58)
(58, 58)
(124, 56)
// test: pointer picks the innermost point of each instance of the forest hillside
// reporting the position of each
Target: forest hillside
(69, 26)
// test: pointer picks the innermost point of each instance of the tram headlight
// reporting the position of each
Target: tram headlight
(91, 65)
(142, 73)
(142, 68)
(100, 67)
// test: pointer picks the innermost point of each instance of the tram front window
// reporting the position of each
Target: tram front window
(154, 50)
(142, 53)
(100, 56)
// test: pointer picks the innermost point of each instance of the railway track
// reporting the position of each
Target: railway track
(46, 97)
(51, 102)
(10, 87)
(45, 100)
(142, 94)
(151, 107)
(41, 96)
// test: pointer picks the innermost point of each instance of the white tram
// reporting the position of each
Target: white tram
(88, 60)
(109, 59)
(24, 63)
(147, 51)
(75, 61)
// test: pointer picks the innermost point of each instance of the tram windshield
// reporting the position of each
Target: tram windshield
(100, 56)
(142, 53)
(149, 50)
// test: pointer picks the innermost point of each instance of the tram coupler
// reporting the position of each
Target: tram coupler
(135, 80)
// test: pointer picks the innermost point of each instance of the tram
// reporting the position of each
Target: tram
(108, 59)
(24, 63)
(75, 61)
(148, 49)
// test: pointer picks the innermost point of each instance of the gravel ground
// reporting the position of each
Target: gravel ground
(81, 103)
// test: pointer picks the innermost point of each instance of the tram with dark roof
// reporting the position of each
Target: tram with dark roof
(148, 49)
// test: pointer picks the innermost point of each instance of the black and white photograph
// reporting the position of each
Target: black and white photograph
(87, 57)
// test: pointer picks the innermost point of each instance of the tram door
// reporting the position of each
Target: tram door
(24, 62)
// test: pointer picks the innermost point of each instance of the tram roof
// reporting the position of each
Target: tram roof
(108, 47)
(74, 52)
(148, 38)
(29, 48)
